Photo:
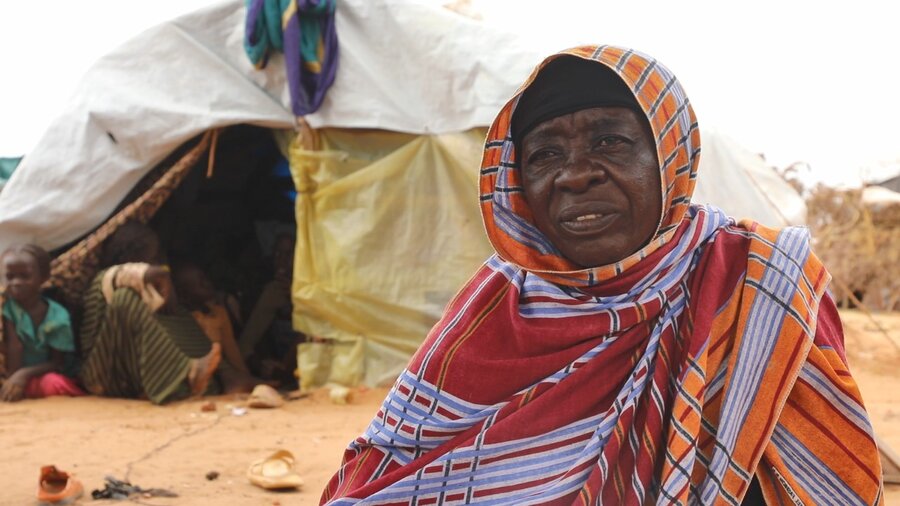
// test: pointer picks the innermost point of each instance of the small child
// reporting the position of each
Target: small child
(37, 330)
(197, 294)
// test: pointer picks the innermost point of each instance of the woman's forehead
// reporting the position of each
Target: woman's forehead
(595, 118)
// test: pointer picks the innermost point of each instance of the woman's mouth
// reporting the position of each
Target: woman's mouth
(587, 223)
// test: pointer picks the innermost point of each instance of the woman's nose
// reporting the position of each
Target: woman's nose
(580, 173)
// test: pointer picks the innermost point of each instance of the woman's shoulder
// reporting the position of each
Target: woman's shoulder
(750, 230)
(749, 239)
(98, 277)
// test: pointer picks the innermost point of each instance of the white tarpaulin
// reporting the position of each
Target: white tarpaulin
(742, 184)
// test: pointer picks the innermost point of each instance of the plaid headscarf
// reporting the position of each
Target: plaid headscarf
(508, 218)
(675, 375)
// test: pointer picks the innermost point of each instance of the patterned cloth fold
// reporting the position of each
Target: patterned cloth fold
(707, 359)
(305, 31)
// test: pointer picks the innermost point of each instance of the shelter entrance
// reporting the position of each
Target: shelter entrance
(232, 222)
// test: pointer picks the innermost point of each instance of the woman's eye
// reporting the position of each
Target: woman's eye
(609, 141)
(540, 155)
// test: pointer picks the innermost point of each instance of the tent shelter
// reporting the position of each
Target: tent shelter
(744, 185)
(387, 223)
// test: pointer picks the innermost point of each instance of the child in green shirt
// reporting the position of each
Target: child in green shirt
(38, 333)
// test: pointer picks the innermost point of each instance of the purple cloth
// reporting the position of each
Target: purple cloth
(308, 39)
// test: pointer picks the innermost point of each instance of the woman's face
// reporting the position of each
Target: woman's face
(23, 278)
(591, 179)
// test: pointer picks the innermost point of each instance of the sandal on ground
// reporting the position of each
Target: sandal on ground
(275, 472)
(58, 487)
(264, 396)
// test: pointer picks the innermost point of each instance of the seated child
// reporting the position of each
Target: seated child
(37, 330)
(269, 340)
(197, 294)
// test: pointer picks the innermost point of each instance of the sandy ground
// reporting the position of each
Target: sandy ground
(175, 446)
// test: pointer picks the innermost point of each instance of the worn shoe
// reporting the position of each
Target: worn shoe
(275, 472)
(264, 396)
(58, 487)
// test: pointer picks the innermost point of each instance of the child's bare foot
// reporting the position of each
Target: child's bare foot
(203, 368)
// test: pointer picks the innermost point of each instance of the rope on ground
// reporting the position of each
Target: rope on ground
(167, 444)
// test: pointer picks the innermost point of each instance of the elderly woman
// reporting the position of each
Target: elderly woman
(624, 346)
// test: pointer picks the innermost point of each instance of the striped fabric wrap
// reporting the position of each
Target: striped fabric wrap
(673, 376)
(304, 30)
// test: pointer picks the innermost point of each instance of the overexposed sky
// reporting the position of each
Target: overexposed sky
(796, 80)
(46, 46)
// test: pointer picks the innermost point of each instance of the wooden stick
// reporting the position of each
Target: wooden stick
(212, 154)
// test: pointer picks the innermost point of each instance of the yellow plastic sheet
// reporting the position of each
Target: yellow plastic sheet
(388, 229)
